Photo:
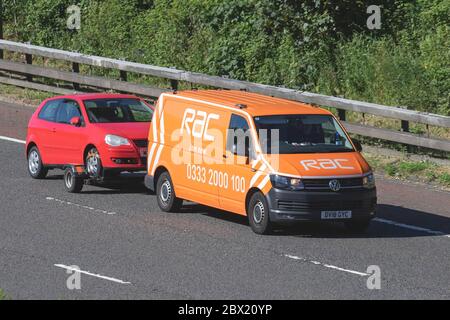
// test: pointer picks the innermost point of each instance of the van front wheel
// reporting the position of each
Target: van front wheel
(165, 194)
(258, 214)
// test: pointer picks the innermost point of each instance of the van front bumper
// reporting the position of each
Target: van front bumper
(289, 206)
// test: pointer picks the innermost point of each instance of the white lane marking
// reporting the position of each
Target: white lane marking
(411, 227)
(12, 139)
(68, 203)
(362, 274)
(92, 274)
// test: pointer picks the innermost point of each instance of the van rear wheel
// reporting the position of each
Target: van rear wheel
(258, 214)
(165, 194)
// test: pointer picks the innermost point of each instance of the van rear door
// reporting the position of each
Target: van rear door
(195, 128)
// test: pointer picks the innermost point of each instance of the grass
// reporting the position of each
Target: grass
(403, 168)
(445, 178)
(27, 96)
(395, 124)
(4, 296)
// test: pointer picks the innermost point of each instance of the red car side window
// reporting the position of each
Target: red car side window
(49, 110)
(68, 110)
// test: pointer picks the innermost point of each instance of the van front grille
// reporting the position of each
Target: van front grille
(324, 183)
(325, 205)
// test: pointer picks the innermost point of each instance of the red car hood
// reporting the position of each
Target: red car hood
(129, 130)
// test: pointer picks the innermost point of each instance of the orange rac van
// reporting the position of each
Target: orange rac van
(274, 160)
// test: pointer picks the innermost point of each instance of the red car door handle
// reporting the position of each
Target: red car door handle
(54, 130)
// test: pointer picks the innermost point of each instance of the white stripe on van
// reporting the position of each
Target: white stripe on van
(150, 156)
(160, 102)
(161, 128)
(255, 162)
(258, 174)
(264, 182)
(158, 154)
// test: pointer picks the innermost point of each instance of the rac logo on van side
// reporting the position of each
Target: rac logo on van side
(326, 164)
(196, 123)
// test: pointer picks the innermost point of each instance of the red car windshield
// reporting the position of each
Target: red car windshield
(117, 110)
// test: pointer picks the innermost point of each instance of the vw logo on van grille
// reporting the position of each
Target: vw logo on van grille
(334, 185)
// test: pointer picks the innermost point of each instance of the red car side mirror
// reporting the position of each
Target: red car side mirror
(75, 121)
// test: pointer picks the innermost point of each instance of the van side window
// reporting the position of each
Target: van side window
(67, 110)
(238, 134)
(49, 110)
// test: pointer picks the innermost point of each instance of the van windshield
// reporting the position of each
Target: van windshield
(301, 134)
(117, 110)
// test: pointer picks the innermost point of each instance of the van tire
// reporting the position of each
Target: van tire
(258, 214)
(357, 226)
(72, 182)
(36, 168)
(165, 194)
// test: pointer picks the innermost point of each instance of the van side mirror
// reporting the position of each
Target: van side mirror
(75, 121)
(357, 144)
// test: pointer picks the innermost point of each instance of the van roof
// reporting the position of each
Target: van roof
(256, 104)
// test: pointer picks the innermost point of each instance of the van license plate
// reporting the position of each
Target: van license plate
(343, 214)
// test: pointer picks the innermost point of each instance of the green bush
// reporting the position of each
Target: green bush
(3, 295)
(320, 46)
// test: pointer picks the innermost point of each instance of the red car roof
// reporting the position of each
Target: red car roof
(89, 96)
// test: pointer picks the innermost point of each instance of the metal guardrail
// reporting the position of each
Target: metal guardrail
(175, 76)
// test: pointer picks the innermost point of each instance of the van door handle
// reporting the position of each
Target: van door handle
(253, 169)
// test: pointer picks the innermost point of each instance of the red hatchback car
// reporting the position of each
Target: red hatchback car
(105, 133)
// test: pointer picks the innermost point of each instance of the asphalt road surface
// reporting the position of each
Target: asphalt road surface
(126, 248)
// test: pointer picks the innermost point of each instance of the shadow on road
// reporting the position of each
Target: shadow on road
(54, 177)
(126, 184)
(337, 230)
(377, 229)
(399, 215)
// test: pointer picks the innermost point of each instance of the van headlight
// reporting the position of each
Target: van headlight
(116, 141)
(286, 183)
(369, 181)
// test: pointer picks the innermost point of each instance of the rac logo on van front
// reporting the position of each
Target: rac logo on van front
(196, 123)
(326, 164)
